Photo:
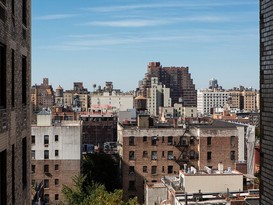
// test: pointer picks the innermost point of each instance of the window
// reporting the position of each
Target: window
(24, 12)
(46, 183)
(56, 167)
(33, 168)
(232, 141)
(145, 169)
(12, 78)
(208, 141)
(24, 162)
(208, 155)
(32, 139)
(46, 198)
(154, 139)
(192, 154)
(46, 139)
(163, 154)
(170, 140)
(131, 169)
(2, 76)
(13, 174)
(232, 155)
(3, 177)
(132, 185)
(24, 80)
(170, 155)
(56, 138)
(56, 182)
(32, 154)
(56, 153)
(131, 155)
(192, 140)
(56, 197)
(144, 138)
(163, 139)
(145, 154)
(154, 169)
(154, 155)
(46, 154)
(131, 141)
(163, 169)
(170, 169)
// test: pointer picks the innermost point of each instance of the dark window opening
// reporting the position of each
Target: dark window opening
(12, 78)
(145, 139)
(170, 169)
(24, 80)
(24, 162)
(3, 177)
(46, 168)
(131, 141)
(232, 155)
(46, 139)
(46, 154)
(154, 169)
(56, 138)
(208, 141)
(131, 169)
(24, 12)
(3, 71)
(208, 155)
(131, 155)
(170, 140)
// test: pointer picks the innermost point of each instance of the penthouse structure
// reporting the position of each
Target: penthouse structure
(178, 79)
(15, 79)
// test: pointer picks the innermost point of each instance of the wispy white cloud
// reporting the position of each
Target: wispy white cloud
(127, 23)
(178, 4)
(196, 36)
(157, 22)
(55, 16)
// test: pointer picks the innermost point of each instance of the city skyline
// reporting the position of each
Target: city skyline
(100, 41)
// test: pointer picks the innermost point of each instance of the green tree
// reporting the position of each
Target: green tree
(102, 169)
(94, 194)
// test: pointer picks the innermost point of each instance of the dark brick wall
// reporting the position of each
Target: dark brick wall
(15, 123)
(266, 102)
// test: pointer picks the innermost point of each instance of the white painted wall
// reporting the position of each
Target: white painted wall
(69, 143)
(121, 101)
(212, 183)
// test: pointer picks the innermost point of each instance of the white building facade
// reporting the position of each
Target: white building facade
(208, 99)
(120, 101)
(56, 155)
(158, 96)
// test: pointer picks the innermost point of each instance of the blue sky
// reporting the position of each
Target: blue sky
(93, 41)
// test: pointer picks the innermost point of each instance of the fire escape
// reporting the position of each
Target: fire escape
(185, 146)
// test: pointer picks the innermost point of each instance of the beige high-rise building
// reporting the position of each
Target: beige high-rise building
(42, 96)
(15, 83)
(245, 100)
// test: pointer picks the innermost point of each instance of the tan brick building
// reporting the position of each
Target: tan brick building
(15, 78)
(149, 152)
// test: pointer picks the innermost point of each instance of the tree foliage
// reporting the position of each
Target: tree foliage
(102, 169)
(94, 194)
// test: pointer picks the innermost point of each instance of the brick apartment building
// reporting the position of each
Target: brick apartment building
(178, 79)
(150, 151)
(15, 79)
(56, 156)
(99, 125)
